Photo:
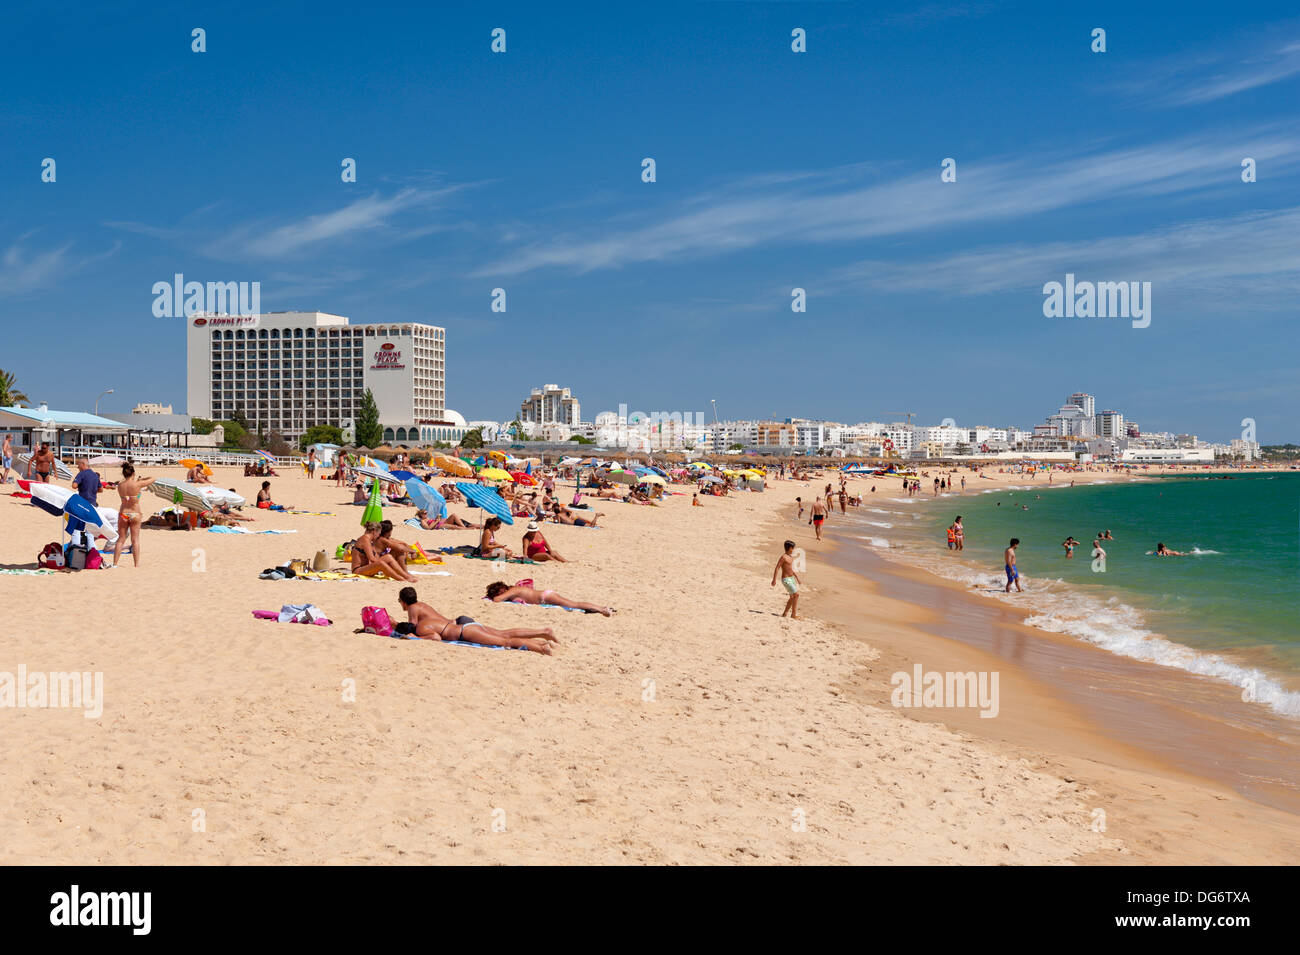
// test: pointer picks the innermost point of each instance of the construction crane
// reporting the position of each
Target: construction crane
(910, 415)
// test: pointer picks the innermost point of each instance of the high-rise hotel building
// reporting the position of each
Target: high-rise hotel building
(288, 371)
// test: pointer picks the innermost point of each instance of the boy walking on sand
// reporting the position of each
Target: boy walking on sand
(789, 579)
(1013, 572)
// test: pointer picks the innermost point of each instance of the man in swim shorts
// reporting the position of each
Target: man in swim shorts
(789, 579)
(1013, 572)
(818, 516)
(7, 457)
(42, 462)
(428, 624)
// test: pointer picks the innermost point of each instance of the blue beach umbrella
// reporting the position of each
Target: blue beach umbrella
(404, 475)
(425, 497)
(487, 499)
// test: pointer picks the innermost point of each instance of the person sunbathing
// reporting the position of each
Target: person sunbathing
(438, 523)
(264, 499)
(367, 561)
(427, 624)
(488, 545)
(386, 543)
(499, 592)
(562, 516)
(197, 475)
(537, 547)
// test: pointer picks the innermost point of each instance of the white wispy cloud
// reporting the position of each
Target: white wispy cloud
(368, 214)
(1208, 75)
(1250, 252)
(23, 270)
(834, 206)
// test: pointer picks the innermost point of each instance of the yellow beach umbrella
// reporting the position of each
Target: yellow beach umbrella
(497, 455)
(650, 479)
(495, 474)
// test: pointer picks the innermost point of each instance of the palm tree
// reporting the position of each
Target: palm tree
(9, 393)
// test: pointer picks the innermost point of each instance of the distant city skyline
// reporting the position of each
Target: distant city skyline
(810, 178)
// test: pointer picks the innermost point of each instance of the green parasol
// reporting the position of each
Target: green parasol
(373, 511)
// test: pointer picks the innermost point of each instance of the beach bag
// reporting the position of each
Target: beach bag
(77, 556)
(375, 620)
(321, 561)
(51, 557)
(344, 551)
(526, 582)
(94, 559)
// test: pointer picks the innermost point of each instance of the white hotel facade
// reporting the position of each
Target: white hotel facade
(288, 371)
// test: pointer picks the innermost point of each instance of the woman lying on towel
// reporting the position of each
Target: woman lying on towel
(438, 523)
(427, 623)
(499, 592)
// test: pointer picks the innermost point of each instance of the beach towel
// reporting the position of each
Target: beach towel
(223, 529)
(508, 560)
(451, 643)
(19, 572)
(304, 617)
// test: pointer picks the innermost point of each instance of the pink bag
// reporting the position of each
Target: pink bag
(375, 620)
(94, 559)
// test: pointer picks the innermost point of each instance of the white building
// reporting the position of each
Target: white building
(1084, 402)
(288, 371)
(1248, 450)
(1110, 424)
(550, 405)
(1167, 456)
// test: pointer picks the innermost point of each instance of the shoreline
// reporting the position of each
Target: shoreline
(930, 620)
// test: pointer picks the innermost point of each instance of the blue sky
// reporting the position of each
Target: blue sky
(775, 170)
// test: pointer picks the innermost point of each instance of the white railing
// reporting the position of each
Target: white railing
(160, 456)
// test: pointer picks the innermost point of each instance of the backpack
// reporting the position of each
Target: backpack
(375, 620)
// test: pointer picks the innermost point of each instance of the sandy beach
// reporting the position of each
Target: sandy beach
(695, 726)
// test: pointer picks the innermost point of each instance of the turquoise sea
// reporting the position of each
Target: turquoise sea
(1226, 611)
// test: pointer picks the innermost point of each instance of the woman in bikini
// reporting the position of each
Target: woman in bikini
(438, 523)
(488, 546)
(537, 547)
(131, 514)
(366, 562)
(499, 592)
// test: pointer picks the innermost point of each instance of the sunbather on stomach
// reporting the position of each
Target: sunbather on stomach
(431, 625)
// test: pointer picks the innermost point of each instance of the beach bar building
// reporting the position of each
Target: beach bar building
(31, 426)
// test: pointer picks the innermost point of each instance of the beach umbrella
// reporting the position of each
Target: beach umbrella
(452, 465)
(523, 477)
(569, 462)
(651, 479)
(497, 455)
(378, 474)
(106, 461)
(425, 497)
(266, 456)
(404, 475)
(622, 477)
(373, 511)
(486, 499)
(494, 474)
(48, 497)
(710, 479)
(195, 463)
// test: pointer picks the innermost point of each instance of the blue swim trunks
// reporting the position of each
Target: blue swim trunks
(1012, 573)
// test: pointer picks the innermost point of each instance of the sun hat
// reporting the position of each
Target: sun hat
(533, 526)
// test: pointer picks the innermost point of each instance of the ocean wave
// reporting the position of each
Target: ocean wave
(1107, 622)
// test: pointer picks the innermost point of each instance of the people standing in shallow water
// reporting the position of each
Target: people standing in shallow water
(1009, 559)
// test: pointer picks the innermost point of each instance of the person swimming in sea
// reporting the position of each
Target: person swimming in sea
(1163, 551)
(1069, 544)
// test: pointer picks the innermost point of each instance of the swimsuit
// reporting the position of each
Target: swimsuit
(547, 595)
(1012, 573)
(791, 585)
(537, 547)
